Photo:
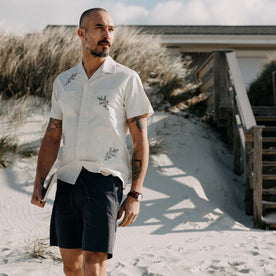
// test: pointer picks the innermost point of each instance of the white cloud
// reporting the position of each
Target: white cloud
(215, 12)
(31, 15)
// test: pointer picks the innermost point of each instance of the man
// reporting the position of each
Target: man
(93, 105)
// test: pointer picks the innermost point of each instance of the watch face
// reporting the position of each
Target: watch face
(139, 197)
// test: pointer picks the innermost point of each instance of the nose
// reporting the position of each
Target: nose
(107, 34)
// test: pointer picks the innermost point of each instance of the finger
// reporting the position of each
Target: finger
(121, 211)
(127, 220)
(131, 220)
(124, 221)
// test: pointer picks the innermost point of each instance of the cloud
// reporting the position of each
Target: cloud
(31, 15)
(214, 12)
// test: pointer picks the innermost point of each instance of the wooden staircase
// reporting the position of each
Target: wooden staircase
(250, 130)
(266, 116)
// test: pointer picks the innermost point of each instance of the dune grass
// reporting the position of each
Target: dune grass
(30, 63)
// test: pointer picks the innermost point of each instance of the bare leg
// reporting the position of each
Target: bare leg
(72, 261)
(94, 263)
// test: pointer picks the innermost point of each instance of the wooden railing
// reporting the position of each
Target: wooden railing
(220, 76)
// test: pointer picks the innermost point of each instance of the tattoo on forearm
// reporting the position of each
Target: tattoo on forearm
(139, 124)
(136, 166)
(54, 124)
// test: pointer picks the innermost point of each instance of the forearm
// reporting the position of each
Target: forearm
(46, 158)
(139, 162)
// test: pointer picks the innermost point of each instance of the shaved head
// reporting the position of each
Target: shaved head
(86, 14)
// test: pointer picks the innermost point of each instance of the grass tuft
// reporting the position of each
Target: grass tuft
(156, 145)
(39, 248)
(8, 147)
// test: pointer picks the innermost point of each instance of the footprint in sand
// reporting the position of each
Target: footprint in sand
(245, 270)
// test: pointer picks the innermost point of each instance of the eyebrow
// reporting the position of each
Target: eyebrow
(102, 25)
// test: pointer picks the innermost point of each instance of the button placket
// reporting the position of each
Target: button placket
(81, 124)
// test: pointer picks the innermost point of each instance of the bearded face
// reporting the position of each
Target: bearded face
(97, 48)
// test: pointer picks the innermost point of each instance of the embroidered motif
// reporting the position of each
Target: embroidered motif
(104, 102)
(111, 153)
(72, 77)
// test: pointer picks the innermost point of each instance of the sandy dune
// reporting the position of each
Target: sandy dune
(192, 220)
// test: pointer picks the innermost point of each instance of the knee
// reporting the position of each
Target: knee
(72, 269)
(94, 257)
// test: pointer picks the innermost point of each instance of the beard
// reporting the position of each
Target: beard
(104, 52)
(101, 51)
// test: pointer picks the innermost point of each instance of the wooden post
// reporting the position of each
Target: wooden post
(220, 83)
(258, 178)
(236, 145)
(274, 86)
(248, 200)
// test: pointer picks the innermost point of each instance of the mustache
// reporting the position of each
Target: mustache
(104, 41)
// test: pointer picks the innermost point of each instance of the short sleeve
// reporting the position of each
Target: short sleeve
(136, 100)
(56, 112)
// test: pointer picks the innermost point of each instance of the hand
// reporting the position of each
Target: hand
(131, 208)
(37, 196)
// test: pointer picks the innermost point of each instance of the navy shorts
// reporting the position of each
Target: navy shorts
(85, 214)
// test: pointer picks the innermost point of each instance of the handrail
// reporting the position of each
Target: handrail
(245, 109)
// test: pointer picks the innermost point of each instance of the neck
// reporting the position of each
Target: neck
(91, 64)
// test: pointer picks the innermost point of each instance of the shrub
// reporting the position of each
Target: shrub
(29, 64)
(260, 91)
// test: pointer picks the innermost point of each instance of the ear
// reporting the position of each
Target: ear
(81, 33)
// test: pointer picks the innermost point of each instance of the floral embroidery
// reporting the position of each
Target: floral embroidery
(72, 77)
(111, 153)
(104, 102)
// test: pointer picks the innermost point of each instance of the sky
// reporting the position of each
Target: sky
(23, 16)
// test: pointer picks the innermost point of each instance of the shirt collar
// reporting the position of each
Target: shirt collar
(108, 67)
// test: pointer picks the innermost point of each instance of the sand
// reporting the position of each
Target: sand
(192, 220)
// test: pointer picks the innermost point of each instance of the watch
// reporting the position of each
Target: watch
(136, 195)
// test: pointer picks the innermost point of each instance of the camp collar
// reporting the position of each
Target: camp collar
(108, 67)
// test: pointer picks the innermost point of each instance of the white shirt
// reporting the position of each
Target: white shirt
(94, 115)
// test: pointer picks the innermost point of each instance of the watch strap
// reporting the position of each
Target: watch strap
(136, 195)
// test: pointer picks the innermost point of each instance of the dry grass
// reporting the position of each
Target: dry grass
(8, 147)
(39, 248)
(29, 64)
(145, 54)
(156, 145)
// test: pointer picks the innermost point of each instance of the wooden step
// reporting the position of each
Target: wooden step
(269, 204)
(264, 109)
(270, 219)
(269, 163)
(269, 151)
(269, 129)
(265, 118)
(269, 139)
(269, 176)
(270, 191)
